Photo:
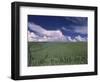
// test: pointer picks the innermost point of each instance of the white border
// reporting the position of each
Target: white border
(25, 70)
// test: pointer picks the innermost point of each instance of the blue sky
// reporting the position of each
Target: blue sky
(68, 26)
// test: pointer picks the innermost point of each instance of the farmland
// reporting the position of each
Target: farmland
(57, 53)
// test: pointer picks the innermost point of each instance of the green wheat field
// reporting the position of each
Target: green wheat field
(57, 53)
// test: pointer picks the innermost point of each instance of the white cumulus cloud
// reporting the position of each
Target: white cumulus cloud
(79, 38)
(36, 28)
(40, 34)
(71, 40)
(43, 34)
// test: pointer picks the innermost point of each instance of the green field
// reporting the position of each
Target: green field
(57, 53)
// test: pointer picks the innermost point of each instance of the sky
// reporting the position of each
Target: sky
(57, 28)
